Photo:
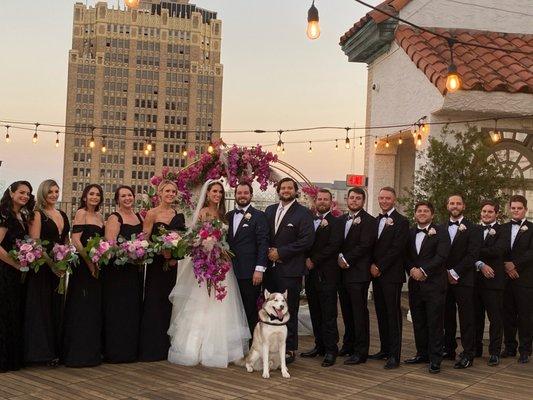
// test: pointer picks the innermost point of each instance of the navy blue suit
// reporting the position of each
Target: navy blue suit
(293, 239)
(249, 245)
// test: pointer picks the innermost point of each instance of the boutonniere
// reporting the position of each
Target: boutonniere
(324, 222)
(492, 231)
(432, 232)
(389, 221)
(356, 221)
(247, 216)
(523, 228)
(462, 227)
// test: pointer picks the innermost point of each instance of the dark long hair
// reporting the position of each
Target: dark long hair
(222, 204)
(85, 193)
(6, 203)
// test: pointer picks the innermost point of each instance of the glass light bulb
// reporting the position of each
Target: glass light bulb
(35, 138)
(91, 144)
(132, 3)
(453, 83)
(57, 142)
(104, 149)
(313, 30)
(149, 147)
(400, 141)
(419, 140)
(210, 149)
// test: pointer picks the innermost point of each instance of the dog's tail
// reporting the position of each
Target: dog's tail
(240, 362)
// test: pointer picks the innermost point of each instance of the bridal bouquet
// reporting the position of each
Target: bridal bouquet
(30, 254)
(64, 257)
(169, 244)
(100, 251)
(210, 255)
(137, 251)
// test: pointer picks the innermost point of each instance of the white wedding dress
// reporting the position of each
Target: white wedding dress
(204, 330)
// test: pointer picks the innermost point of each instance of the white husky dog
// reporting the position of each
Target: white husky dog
(270, 333)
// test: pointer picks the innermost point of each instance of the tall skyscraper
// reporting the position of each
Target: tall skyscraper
(139, 79)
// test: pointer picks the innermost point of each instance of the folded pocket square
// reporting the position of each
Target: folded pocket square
(290, 225)
(245, 225)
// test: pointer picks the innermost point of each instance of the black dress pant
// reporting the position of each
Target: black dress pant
(520, 300)
(461, 298)
(249, 295)
(510, 319)
(389, 314)
(322, 300)
(491, 302)
(354, 305)
(427, 311)
(276, 283)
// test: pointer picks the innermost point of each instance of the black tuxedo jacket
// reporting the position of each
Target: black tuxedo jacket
(324, 252)
(491, 253)
(521, 254)
(389, 251)
(357, 248)
(250, 243)
(293, 239)
(464, 252)
(432, 256)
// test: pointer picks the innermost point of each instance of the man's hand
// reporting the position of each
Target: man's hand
(343, 264)
(374, 271)
(487, 271)
(309, 264)
(257, 279)
(509, 266)
(451, 279)
(513, 274)
(273, 254)
(417, 274)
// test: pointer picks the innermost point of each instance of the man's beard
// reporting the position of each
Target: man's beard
(322, 209)
(288, 198)
(243, 202)
(356, 209)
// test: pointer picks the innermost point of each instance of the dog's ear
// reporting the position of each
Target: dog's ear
(266, 294)
(285, 294)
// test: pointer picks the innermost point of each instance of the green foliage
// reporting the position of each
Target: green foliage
(459, 162)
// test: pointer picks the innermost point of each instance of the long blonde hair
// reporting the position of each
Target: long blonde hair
(42, 192)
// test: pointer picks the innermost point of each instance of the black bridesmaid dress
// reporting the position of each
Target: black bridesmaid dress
(44, 306)
(82, 334)
(122, 297)
(11, 300)
(157, 308)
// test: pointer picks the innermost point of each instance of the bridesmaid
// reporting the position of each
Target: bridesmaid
(44, 306)
(16, 207)
(160, 278)
(82, 341)
(122, 288)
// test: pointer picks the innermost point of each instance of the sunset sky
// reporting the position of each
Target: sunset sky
(274, 78)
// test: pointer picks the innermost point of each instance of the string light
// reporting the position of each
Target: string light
(283, 149)
(210, 148)
(387, 142)
(336, 145)
(149, 146)
(310, 150)
(35, 137)
(57, 138)
(360, 142)
(133, 4)
(419, 140)
(495, 134)
(104, 148)
(453, 82)
(313, 26)
(376, 143)
(91, 142)
(347, 140)
(400, 140)
(8, 139)
(184, 153)
(280, 142)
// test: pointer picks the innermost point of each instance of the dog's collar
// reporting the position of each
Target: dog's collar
(272, 318)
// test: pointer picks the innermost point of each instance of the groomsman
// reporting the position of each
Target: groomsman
(355, 235)
(388, 276)
(291, 236)
(248, 240)
(517, 238)
(427, 251)
(464, 251)
(490, 282)
(321, 283)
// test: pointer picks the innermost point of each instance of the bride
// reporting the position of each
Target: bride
(204, 330)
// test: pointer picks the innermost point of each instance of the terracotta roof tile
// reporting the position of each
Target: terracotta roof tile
(480, 69)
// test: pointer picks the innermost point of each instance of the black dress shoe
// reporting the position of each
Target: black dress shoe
(493, 361)
(464, 362)
(434, 368)
(507, 353)
(354, 360)
(312, 353)
(290, 356)
(329, 360)
(523, 359)
(417, 360)
(392, 363)
(345, 352)
(449, 355)
(381, 355)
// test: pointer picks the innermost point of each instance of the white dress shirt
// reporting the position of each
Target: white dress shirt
(317, 222)
(515, 228)
(280, 213)
(349, 223)
(237, 219)
(452, 231)
(383, 221)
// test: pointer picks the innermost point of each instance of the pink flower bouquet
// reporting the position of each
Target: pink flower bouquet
(169, 244)
(100, 251)
(64, 257)
(137, 251)
(30, 254)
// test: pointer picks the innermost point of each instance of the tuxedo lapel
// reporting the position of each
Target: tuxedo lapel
(244, 220)
(519, 234)
(289, 212)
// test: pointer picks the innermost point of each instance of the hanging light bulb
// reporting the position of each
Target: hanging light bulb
(400, 140)
(283, 149)
(8, 139)
(376, 143)
(347, 140)
(104, 148)
(210, 148)
(453, 82)
(419, 140)
(279, 146)
(184, 153)
(149, 146)
(310, 150)
(35, 136)
(387, 142)
(57, 138)
(133, 4)
(424, 128)
(313, 27)
(360, 142)
(336, 145)
(495, 134)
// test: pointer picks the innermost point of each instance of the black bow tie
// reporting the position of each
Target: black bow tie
(424, 231)
(380, 216)
(319, 217)
(516, 222)
(450, 223)
(238, 211)
(352, 216)
(487, 227)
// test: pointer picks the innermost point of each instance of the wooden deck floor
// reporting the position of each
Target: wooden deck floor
(309, 380)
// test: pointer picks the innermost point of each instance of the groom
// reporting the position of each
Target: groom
(248, 241)
(291, 237)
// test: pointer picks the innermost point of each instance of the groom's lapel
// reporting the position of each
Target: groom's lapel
(244, 220)
(290, 211)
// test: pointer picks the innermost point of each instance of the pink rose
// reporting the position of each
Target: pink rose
(26, 247)
(156, 180)
(30, 257)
